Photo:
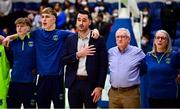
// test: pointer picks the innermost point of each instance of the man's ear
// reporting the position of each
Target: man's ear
(90, 22)
(129, 39)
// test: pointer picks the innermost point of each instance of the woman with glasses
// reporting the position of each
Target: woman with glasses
(162, 72)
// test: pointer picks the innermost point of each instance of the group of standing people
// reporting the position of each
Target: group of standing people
(46, 50)
(37, 51)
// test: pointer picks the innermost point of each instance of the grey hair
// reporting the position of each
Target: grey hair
(169, 46)
(124, 29)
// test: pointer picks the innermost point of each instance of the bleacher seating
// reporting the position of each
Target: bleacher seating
(178, 5)
(142, 5)
(114, 5)
(32, 6)
(18, 6)
(176, 45)
(156, 13)
(92, 4)
(157, 5)
(177, 42)
(177, 34)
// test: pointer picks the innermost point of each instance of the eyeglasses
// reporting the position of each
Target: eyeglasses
(162, 38)
(122, 36)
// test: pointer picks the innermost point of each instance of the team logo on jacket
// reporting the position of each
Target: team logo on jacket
(55, 37)
(168, 60)
(30, 43)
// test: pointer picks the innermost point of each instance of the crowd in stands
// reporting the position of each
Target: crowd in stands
(160, 15)
(66, 14)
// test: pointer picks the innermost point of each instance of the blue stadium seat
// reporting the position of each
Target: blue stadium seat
(178, 5)
(156, 13)
(32, 6)
(142, 5)
(176, 44)
(109, 7)
(152, 34)
(177, 33)
(175, 48)
(18, 6)
(178, 25)
(155, 24)
(157, 4)
(92, 4)
(114, 5)
(178, 30)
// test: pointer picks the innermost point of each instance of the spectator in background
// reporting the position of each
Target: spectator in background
(102, 26)
(162, 72)
(10, 19)
(5, 7)
(124, 67)
(145, 39)
(80, 4)
(2, 33)
(37, 18)
(71, 18)
(61, 16)
(66, 5)
(45, 3)
(114, 15)
(146, 22)
(169, 16)
(101, 6)
(87, 8)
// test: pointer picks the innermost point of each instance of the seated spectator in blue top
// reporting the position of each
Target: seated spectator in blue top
(61, 16)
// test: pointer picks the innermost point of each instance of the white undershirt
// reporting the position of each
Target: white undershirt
(82, 61)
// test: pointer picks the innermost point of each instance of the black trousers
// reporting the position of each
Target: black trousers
(21, 93)
(79, 95)
(50, 88)
(163, 103)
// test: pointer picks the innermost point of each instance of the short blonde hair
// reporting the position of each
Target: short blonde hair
(49, 10)
(169, 46)
(24, 20)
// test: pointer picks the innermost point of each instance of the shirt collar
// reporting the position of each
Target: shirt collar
(27, 35)
(126, 49)
(87, 37)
